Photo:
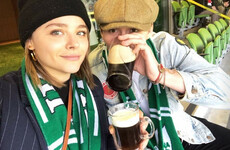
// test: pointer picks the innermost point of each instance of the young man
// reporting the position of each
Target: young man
(166, 72)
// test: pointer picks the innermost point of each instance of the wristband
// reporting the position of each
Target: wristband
(161, 70)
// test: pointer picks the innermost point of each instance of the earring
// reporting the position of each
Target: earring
(33, 56)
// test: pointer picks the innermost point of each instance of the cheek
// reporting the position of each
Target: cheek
(84, 48)
(109, 39)
(48, 50)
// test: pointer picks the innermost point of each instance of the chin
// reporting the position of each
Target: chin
(74, 70)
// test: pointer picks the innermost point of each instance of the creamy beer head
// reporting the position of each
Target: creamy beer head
(125, 118)
(119, 54)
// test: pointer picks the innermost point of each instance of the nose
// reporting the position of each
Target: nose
(123, 31)
(72, 42)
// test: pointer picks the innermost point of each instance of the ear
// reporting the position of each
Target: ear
(30, 44)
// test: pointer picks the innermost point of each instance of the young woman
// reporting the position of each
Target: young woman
(53, 101)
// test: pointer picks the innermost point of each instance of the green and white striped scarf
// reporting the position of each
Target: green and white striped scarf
(165, 137)
(51, 114)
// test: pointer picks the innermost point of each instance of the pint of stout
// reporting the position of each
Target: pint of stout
(125, 119)
(121, 62)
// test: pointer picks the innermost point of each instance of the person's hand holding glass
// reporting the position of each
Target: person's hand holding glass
(128, 126)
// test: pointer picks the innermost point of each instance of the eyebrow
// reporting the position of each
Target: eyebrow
(56, 24)
(64, 25)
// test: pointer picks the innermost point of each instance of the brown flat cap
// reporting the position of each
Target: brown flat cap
(139, 14)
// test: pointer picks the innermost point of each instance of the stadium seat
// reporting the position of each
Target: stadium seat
(227, 27)
(179, 17)
(207, 38)
(223, 23)
(217, 39)
(222, 33)
(197, 44)
(228, 35)
(205, 35)
(191, 14)
(219, 26)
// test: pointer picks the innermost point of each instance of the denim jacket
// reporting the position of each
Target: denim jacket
(206, 84)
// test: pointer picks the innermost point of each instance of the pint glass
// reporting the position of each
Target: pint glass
(125, 119)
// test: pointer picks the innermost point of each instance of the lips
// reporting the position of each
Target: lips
(71, 57)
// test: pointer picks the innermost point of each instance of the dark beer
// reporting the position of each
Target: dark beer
(121, 62)
(125, 119)
(120, 76)
(129, 137)
(127, 128)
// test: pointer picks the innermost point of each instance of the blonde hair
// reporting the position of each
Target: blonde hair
(33, 68)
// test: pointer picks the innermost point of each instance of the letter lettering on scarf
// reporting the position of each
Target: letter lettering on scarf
(52, 104)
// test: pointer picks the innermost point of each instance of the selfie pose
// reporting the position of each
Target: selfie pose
(53, 101)
(165, 72)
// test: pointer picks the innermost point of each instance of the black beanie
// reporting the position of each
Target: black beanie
(34, 13)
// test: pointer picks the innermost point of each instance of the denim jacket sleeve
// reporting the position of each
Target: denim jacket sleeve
(206, 84)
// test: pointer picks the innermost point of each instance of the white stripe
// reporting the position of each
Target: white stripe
(36, 101)
(154, 110)
(164, 108)
(86, 116)
(155, 116)
(72, 132)
(96, 122)
(72, 140)
(56, 143)
(83, 101)
(161, 109)
(165, 115)
(158, 88)
(78, 105)
(161, 115)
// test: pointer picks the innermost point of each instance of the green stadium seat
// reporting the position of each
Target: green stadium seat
(176, 6)
(228, 35)
(208, 51)
(185, 3)
(191, 14)
(179, 17)
(213, 30)
(227, 28)
(222, 33)
(197, 44)
(217, 40)
(205, 35)
(223, 23)
(219, 26)
(207, 38)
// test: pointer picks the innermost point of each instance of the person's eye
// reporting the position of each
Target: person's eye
(134, 30)
(56, 32)
(81, 33)
(112, 30)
